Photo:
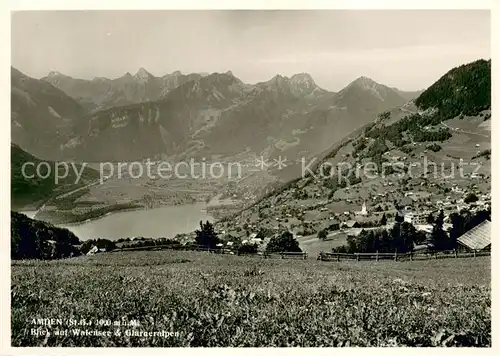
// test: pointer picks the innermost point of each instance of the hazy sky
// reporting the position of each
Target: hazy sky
(406, 49)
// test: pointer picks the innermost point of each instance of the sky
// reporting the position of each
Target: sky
(407, 49)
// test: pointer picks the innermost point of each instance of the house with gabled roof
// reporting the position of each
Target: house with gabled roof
(477, 238)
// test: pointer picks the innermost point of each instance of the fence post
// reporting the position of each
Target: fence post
(282, 255)
(456, 253)
(376, 256)
(357, 257)
(411, 256)
(338, 258)
(396, 255)
(474, 253)
(305, 255)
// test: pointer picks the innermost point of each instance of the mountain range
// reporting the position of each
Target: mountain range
(103, 93)
(195, 115)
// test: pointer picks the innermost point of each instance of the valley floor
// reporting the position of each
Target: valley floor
(203, 299)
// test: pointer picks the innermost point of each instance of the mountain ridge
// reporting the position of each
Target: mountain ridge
(42, 116)
(217, 114)
(102, 93)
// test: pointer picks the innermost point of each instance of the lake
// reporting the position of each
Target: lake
(164, 221)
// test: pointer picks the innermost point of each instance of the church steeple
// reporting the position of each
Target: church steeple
(363, 209)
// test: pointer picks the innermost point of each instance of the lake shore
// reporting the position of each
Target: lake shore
(163, 221)
(115, 211)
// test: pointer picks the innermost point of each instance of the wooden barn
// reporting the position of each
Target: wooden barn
(477, 238)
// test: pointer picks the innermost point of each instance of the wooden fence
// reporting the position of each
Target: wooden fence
(323, 256)
(395, 256)
(227, 251)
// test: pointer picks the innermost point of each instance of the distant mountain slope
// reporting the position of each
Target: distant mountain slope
(219, 114)
(334, 116)
(200, 116)
(34, 190)
(366, 97)
(42, 116)
(463, 90)
(298, 85)
(151, 129)
(408, 95)
(104, 93)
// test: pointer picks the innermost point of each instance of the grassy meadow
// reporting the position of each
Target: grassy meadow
(204, 299)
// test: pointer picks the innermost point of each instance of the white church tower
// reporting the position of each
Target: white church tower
(363, 209)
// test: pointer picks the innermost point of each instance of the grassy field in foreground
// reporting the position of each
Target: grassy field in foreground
(220, 300)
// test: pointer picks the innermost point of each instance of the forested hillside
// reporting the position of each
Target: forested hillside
(463, 90)
(34, 239)
(34, 190)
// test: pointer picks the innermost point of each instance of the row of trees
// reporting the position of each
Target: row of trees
(285, 242)
(105, 244)
(403, 236)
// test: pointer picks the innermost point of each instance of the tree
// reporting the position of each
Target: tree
(384, 116)
(471, 198)
(399, 217)
(283, 243)
(322, 234)
(263, 233)
(384, 243)
(434, 147)
(206, 236)
(457, 229)
(407, 237)
(106, 244)
(438, 235)
(402, 237)
(383, 221)
(440, 219)
(247, 249)
(430, 219)
(366, 241)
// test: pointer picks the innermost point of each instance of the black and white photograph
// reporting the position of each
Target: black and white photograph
(250, 178)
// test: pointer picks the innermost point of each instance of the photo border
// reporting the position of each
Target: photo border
(20, 5)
